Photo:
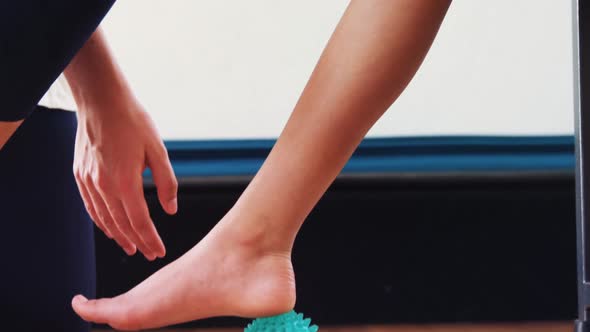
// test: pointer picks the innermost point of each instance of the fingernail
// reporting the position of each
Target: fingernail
(80, 299)
(173, 205)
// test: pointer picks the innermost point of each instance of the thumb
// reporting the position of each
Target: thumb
(164, 178)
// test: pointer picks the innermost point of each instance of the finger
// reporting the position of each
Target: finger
(129, 240)
(98, 189)
(101, 189)
(87, 201)
(108, 224)
(101, 210)
(91, 208)
(126, 226)
(164, 178)
(118, 234)
(139, 216)
(123, 225)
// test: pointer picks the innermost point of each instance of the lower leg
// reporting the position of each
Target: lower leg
(242, 267)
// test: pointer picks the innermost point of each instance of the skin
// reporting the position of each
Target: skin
(115, 141)
(7, 129)
(243, 266)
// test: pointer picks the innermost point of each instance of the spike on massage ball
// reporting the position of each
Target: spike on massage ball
(287, 322)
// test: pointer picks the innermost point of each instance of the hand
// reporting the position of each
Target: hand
(114, 145)
(115, 142)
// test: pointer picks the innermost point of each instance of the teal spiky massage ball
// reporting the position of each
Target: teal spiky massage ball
(287, 322)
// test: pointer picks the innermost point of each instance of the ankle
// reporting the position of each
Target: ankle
(256, 235)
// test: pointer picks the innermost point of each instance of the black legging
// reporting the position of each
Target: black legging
(38, 38)
(47, 237)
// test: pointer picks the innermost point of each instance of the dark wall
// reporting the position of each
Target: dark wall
(403, 248)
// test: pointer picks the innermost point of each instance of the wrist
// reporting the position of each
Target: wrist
(107, 106)
(107, 97)
(95, 79)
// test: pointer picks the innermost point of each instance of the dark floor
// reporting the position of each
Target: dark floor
(524, 327)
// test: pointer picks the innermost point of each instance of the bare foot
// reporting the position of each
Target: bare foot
(220, 276)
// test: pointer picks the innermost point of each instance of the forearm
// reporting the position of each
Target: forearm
(94, 76)
(371, 57)
(92, 70)
(116, 141)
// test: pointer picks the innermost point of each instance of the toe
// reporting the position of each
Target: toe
(102, 311)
